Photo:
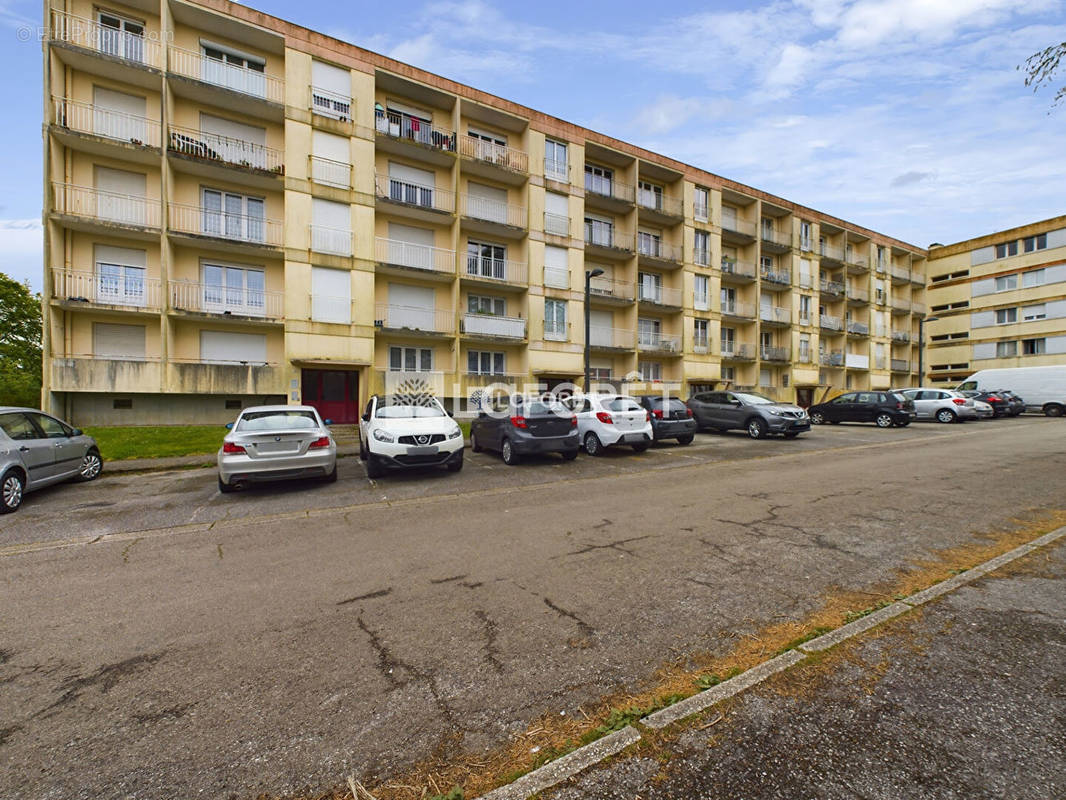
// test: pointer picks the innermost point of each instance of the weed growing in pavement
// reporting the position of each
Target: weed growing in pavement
(814, 633)
(456, 793)
(704, 682)
(851, 616)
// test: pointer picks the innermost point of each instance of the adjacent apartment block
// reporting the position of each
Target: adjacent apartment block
(239, 210)
(997, 301)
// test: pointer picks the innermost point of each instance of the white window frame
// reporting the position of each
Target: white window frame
(701, 254)
(1034, 277)
(248, 298)
(650, 371)
(1031, 244)
(1038, 344)
(418, 354)
(701, 300)
(1006, 349)
(555, 320)
(120, 284)
(1006, 249)
(227, 223)
(486, 305)
(555, 169)
(1034, 312)
(120, 41)
(701, 333)
(1006, 283)
(701, 210)
(1006, 316)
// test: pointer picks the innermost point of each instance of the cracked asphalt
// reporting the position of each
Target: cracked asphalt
(178, 643)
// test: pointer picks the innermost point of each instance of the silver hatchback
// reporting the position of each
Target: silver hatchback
(37, 450)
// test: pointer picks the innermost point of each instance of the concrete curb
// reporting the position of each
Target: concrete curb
(591, 754)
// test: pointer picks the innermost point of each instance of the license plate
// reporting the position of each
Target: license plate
(422, 451)
(278, 447)
(634, 437)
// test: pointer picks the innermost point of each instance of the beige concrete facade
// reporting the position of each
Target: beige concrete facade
(241, 210)
(997, 301)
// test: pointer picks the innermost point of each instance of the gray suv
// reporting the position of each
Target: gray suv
(758, 415)
(37, 450)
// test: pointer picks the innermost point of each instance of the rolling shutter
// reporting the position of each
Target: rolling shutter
(232, 348)
(331, 295)
(486, 202)
(118, 341)
(119, 115)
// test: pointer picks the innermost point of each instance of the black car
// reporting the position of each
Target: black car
(883, 408)
(524, 427)
(1001, 405)
(670, 418)
(1015, 403)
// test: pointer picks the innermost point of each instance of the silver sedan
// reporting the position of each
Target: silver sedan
(270, 443)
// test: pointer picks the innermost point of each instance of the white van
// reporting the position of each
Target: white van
(1042, 388)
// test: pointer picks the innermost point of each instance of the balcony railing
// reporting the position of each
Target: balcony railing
(857, 262)
(97, 204)
(830, 251)
(804, 356)
(556, 332)
(87, 33)
(603, 234)
(499, 155)
(775, 314)
(773, 353)
(331, 173)
(856, 361)
(334, 241)
(492, 211)
(414, 194)
(900, 273)
(701, 256)
(733, 350)
(901, 304)
(862, 295)
(123, 288)
(217, 299)
(741, 269)
(556, 170)
(775, 275)
(831, 323)
(414, 256)
(490, 325)
(774, 236)
(731, 223)
(225, 225)
(610, 288)
(225, 149)
(495, 269)
(330, 308)
(860, 328)
(556, 277)
(832, 287)
(649, 342)
(900, 365)
(655, 201)
(609, 187)
(415, 318)
(399, 125)
(331, 104)
(487, 378)
(614, 338)
(739, 309)
(92, 119)
(659, 295)
(833, 358)
(701, 347)
(251, 82)
(556, 224)
(651, 247)
(903, 337)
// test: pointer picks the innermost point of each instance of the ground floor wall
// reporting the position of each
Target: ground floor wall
(85, 409)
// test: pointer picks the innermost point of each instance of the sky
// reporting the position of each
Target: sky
(909, 117)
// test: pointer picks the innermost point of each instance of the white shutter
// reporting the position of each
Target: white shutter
(118, 341)
(982, 256)
(413, 111)
(600, 328)
(556, 257)
(1055, 345)
(121, 182)
(234, 142)
(411, 235)
(122, 195)
(983, 286)
(329, 214)
(982, 319)
(1055, 274)
(106, 254)
(331, 295)
(119, 115)
(331, 78)
(1056, 238)
(486, 202)
(410, 246)
(234, 130)
(556, 267)
(331, 146)
(411, 307)
(1055, 309)
(419, 177)
(232, 348)
(984, 350)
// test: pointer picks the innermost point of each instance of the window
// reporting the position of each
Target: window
(1035, 312)
(1035, 243)
(729, 373)
(599, 179)
(701, 204)
(805, 309)
(650, 244)
(702, 248)
(1007, 249)
(879, 291)
(120, 37)
(486, 260)
(729, 340)
(599, 231)
(119, 284)
(481, 304)
(700, 337)
(331, 227)
(1005, 316)
(1006, 349)
(650, 196)
(649, 332)
(650, 370)
(233, 70)
(701, 299)
(805, 235)
(1034, 347)
(1034, 277)
(805, 274)
(880, 257)
(331, 159)
(233, 216)
(1004, 283)
(234, 290)
(556, 214)
(485, 363)
(766, 377)
(555, 320)
(650, 286)
(410, 359)
(556, 267)
(805, 348)
(331, 91)
(729, 299)
(227, 347)
(555, 160)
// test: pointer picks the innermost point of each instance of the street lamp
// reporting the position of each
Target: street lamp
(589, 275)
(921, 346)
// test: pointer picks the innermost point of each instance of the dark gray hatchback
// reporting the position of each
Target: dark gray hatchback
(526, 428)
(670, 418)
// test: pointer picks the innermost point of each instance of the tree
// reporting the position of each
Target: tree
(20, 344)
(1040, 70)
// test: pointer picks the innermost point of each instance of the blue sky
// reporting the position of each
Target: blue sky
(906, 116)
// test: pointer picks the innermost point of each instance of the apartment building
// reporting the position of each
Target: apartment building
(239, 210)
(997, 301)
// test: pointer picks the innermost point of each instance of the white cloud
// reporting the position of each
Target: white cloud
(21, 250)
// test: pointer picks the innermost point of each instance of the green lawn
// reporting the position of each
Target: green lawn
(117, 444)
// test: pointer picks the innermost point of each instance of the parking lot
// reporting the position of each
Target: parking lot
(167, 641)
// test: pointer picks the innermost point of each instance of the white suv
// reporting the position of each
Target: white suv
(604, 420)
(405, 436)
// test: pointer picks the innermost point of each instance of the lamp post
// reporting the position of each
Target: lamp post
(921, 346)
(589, 275)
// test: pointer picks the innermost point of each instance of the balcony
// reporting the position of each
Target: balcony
(653, 250)
(918, 308)
(662, 343)
(479, 380)
(832, 358)
(857, 265)
(775, 241)
(732, 351)
(495, 271)
(831, 288)
(858, 329)
(737, 231)
(90, 373)
(656, 208)
(105, 289)
(857, 296)
(222, 154)
(900, 365)
(610, 338)
(104, 123)
(242, 231)
(900, 305)
(408, 256)
(118, 47)
(492, 160)
(237, 88)
(659, 296)
(856, 361)
(328, 172)
(405, 135)
(900, 274)
(901, 337)
(608, 240)
(830, 253)
(775, 316)
(91, 209)
(205, 377)
(203, 298)
(487, 326)
(609, 290)
(492, 217)
(830, 323)
(414, 200)
(331, 104)
(776, 276)
(734, 271)
(332, 241)
(773, 354)
(607, 193)
(739, 310)
(414, 320)
(917, 277)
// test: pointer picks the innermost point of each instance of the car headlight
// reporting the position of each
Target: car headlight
(384, 436)
(456, 433)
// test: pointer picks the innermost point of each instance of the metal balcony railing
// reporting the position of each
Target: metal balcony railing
(775, 314)
(414, 256)
(834, 358)
(615, 338)
(556, 332)
(496, 269)
(225, 225)
(739, 309)
(556, 277)
(731, 223)
(701, 256)
(218, 299)
(603, 234)
(114, 287)
(609, 187)
(491, 325)
(649, 342)
(331, 173)
(804, 357)
(399, 125)
(245, 80)
(656, 248)
(656, 201)
(830, 322)
(499, 155)
(740, 269)
(610, 288)
(330, 308)
(903, 337)
(492, 211)
(700, 211)
(140, 48)
(773, 353)
(659, 295)
(556, 170)
(225, 149)
(900, 365)
(334, 241)
(415, 318)
(701, 346)
(556, 224)
(831, 287)
(486, 378)
(774, 236)
(414, 194)
(108, 123)
(331, 104)
(733, 350)
(860, 328)
(772, 275)
(830, 251)
(97, 204)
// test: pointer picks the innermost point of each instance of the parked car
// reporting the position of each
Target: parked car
(37, 450)
(605, 420)
(997, 402)
(943, 405)
(1044, 388)
(402, 436)
(526, 426)
(1017, 404)
(670, 418)
(885, 409)
(754, 413)
(273, 443)
(983, 409)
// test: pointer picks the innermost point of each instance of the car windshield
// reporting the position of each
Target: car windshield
(277, 421)
(540, 409)
(671, 404)
(897, 396)
(407, 412)
(754, 399)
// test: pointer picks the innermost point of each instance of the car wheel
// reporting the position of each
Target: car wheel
(884, 420)
(687, 439)
(640, 447)
(12, 488)
(90, 466)
(569, 455)
(508, 454)
(455, 466)
(373, 467)
(817, 418)
(226, 488)
(945, 415)
(756, 428)
(362, 451)
(332, 477)
(1053, 410)
(474, 446)
(593, 446)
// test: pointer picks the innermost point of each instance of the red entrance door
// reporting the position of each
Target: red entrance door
(333, 393)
